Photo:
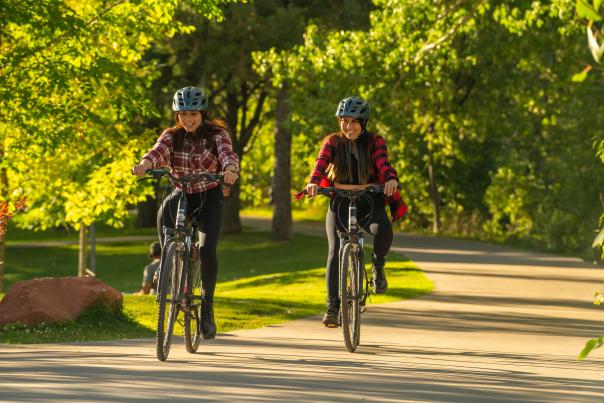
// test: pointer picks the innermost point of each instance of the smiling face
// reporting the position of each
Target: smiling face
(190, 120)
(351, 127)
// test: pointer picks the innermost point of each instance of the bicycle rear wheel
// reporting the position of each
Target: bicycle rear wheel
(350, 295)
(169, 281)
(192, 323)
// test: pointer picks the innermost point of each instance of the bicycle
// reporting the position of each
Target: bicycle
(354, 283)
(179, 284)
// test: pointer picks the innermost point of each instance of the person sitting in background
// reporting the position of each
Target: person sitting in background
(148, 287)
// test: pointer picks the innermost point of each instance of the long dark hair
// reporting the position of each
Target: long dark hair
(206, 132)
(340, 170)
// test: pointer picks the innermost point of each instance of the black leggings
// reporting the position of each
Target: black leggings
(375, 221)
(208, 208)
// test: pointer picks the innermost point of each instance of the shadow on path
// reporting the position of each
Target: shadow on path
(317, 371)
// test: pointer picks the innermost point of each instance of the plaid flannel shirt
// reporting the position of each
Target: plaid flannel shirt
(381, 170)
(195, 157)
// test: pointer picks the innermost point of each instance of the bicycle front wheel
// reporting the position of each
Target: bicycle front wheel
(350, 295)
(192, 325)
(169, 281)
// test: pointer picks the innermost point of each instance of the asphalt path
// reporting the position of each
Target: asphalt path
(501, 326)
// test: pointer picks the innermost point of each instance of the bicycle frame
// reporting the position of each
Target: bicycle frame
(180, 233)
(355, 237)
(178, 271)
(353, 280)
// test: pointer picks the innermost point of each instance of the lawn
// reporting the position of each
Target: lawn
(260, 283)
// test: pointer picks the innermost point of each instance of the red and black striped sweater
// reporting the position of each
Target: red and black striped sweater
(381, 170)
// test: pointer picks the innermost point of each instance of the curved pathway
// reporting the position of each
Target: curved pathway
(502, 326)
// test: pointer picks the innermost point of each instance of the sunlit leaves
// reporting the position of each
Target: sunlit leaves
(590, 346)
(73, 75)
(489, 99)
(589, 11)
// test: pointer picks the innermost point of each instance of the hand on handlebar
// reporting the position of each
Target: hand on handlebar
(312, 189)
(230, 177)
(390, 187)
(141, 169)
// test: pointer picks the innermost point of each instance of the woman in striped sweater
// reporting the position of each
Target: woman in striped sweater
(352, 158)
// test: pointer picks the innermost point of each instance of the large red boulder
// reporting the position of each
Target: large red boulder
(51, 300)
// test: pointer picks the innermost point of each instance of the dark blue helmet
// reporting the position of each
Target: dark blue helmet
(354, 107)
(190, 99)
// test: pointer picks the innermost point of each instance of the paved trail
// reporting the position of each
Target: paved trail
(502, 326)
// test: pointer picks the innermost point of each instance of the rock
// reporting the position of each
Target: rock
(52, 300)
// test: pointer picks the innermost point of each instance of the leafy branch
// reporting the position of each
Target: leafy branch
(449, 34)
(6, 213)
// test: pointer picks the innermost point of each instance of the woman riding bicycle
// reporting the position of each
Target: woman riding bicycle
(348, 159)
(197, 143)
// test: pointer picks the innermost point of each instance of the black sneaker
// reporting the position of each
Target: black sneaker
(332, 316)
(380, 284)
(208, 325)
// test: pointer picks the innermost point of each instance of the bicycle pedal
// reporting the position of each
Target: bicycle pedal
(332, 326)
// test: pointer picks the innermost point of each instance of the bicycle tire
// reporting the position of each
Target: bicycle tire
(192, 322)
(171, 267)
(350, 295)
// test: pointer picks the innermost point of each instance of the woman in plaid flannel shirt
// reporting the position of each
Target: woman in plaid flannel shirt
(349, 159)
(197, 143)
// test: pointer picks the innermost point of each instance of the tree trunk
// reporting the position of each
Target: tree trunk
(3, 196)
(2, 258)
(147, 213)
(244, 105)
(147, 210)
(281, 227)
(232, 222)
(92, 258)
(82, 256)
(436, 225)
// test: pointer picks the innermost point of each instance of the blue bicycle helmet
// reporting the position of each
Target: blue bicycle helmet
(354, 107)
(190, 99)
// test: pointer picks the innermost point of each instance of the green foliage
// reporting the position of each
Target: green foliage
(589, 11)
(504, 129)
(71, 75)
(590, 346)
(592, 14)
(96, 323)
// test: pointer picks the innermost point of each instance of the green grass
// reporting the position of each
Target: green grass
(120, 265)
(260, 283)
(311, 213)
(15, 234)
(94, 324)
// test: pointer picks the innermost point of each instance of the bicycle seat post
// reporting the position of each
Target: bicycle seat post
(182, 209)
(353, 226)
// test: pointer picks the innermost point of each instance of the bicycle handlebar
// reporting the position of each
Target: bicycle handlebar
(348, 193)
(204, 176)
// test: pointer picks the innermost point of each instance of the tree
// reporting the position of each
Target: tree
(70, 76)
(483, 135)
(594, 16)
(281, 225)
